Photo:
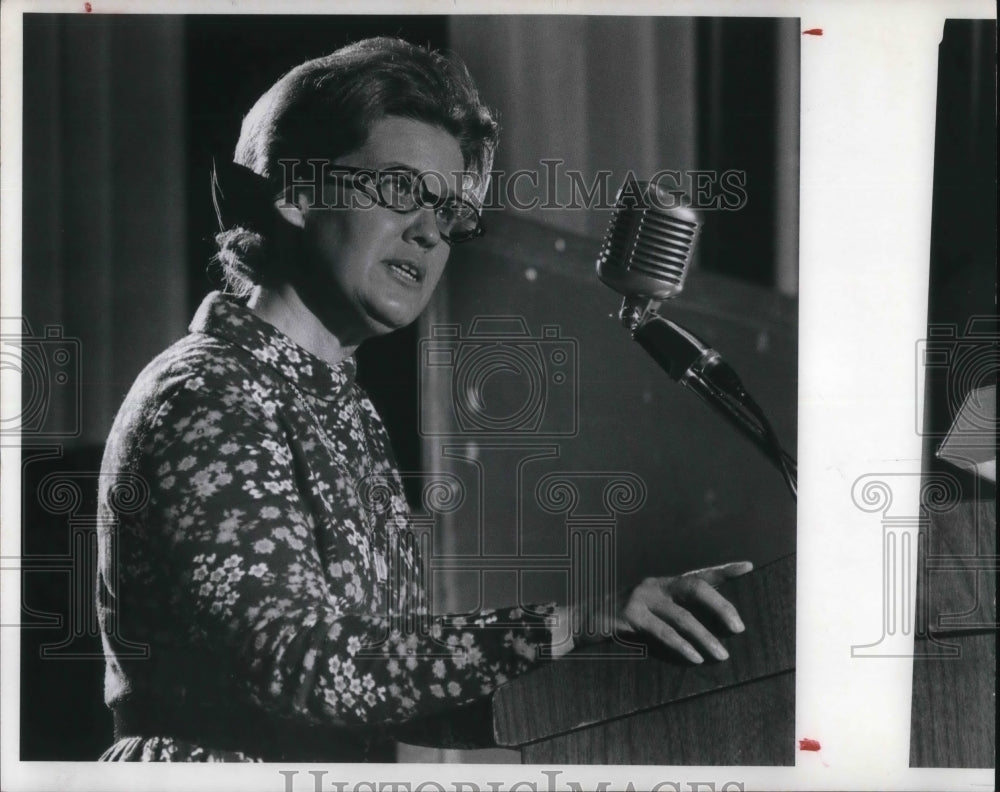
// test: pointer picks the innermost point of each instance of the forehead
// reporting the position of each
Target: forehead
(413, 144)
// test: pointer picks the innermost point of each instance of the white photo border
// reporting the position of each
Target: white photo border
(868, 115)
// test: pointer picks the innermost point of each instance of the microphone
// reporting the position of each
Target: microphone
(645, 256)
(649, 243)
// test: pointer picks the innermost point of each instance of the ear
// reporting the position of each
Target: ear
(294, 214)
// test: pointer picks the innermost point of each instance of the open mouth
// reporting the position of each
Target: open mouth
(405, 271)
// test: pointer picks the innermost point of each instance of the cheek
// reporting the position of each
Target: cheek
(367, 236)
(325, 238)
(341, 244)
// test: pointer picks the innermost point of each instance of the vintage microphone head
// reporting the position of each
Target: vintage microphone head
(649, 243)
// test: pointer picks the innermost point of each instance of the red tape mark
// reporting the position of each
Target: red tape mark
(809, 745)
(813, 32)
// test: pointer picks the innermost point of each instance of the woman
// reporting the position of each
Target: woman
(255, 603)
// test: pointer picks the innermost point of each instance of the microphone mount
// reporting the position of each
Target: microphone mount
(695, 365)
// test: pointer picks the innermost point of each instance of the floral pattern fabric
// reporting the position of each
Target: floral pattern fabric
(254, 554)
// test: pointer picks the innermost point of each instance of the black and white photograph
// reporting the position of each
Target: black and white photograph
(954, 655)
(416, 398)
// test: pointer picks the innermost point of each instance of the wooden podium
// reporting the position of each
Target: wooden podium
(604, 705)
(953, 717)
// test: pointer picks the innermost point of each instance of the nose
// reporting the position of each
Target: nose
(423, 228)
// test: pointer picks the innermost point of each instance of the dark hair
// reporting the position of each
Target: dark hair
(324, 109)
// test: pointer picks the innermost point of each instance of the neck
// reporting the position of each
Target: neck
(282, 307)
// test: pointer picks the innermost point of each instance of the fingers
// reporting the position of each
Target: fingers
(685, 622)
(701, 591)
(645, 621)
(717, 575)
(657, 608)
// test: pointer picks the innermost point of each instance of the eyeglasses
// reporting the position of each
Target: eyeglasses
(404, 191)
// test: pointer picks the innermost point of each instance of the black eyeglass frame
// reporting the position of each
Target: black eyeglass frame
(370, 182)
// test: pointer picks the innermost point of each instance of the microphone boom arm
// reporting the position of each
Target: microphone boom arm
(693, 364)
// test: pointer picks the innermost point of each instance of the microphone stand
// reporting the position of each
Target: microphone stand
(687, 360)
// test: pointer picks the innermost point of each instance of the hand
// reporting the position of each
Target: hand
(657, 608)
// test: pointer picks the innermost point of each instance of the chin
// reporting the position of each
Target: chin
(382, 322)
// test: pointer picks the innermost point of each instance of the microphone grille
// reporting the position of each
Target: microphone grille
(648, 245)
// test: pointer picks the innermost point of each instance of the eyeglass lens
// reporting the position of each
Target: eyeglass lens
(404, 191)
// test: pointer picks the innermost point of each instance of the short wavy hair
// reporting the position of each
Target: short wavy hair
(324, 109)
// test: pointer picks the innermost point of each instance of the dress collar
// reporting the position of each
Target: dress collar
(224, 316)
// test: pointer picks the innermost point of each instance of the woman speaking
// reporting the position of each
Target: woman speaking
(281, 610)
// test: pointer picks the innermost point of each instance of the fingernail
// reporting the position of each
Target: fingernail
(720, 652)
(736, 625)
(693, 656)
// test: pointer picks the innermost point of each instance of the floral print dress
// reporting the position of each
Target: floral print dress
(260, 597)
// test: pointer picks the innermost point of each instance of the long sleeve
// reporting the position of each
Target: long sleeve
(228, 497)
(254, 570)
